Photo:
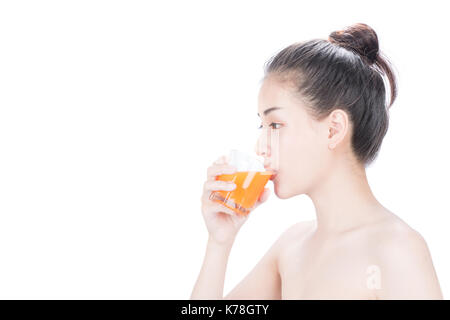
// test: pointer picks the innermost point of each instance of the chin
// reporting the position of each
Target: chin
(279, 191)
(282, 192)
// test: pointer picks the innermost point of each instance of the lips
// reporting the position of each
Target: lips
(274, 173)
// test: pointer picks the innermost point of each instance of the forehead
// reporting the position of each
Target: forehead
(274, 93)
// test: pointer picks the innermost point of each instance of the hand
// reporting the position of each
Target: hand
(223, 223)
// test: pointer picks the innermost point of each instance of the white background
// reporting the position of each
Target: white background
(111, 112)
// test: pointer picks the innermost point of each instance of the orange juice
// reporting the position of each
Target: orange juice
(249, 186)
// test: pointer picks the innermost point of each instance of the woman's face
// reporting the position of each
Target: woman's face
(292, 143)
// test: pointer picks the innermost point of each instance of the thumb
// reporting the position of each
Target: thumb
(263, 197)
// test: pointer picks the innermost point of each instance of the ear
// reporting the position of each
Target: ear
(338, 126)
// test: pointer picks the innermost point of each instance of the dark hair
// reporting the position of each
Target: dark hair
(346, 72)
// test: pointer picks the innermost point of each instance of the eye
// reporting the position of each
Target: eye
(271, 125)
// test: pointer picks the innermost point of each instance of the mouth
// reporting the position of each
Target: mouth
(274, 173)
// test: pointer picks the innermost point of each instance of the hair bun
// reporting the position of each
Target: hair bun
(359, 38)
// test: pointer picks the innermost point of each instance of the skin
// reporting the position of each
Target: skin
(354, 249)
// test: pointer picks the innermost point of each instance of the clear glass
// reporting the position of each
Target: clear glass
(250, 180)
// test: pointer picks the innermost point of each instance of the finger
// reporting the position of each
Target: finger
(220, 160)
(215, 207)
(216, 170)
(262, 198)
(216, 185)
(242, 217)
(265, 195)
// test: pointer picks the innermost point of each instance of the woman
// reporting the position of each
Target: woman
(325, 101)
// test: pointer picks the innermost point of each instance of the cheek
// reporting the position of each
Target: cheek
(301, 156)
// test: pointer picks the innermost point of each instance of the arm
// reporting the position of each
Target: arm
(210, 281)
(408, 271)
(264, 281)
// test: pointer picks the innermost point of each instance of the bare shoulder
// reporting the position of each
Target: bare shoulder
(264, 281)
(292, 236)
(405, 262)
(296, 231)
(394, 234)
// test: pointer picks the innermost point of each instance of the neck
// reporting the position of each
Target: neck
(344, 200)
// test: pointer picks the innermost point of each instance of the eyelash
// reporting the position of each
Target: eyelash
(260, 126)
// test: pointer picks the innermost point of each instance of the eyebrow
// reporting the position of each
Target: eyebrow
(269, 110)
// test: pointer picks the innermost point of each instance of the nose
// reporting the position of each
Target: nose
(268, 146)
(262, 146)
(262, 150)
